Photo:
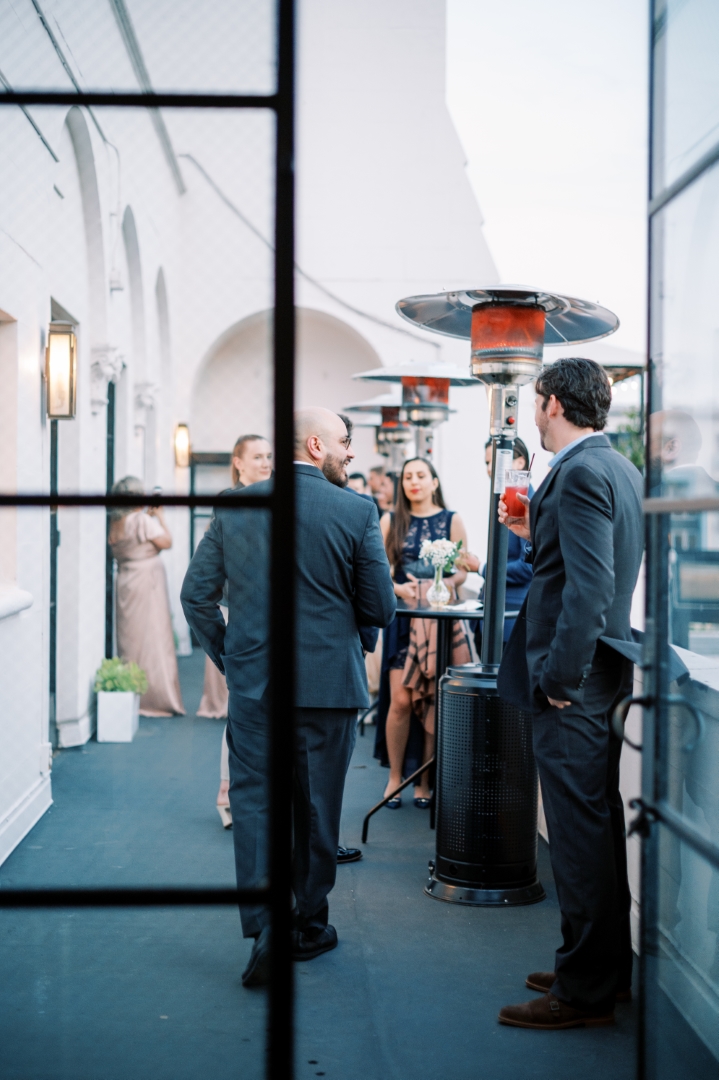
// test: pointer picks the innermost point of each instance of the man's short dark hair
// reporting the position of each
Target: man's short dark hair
(358, 476)
(378, 469)
(582, 389)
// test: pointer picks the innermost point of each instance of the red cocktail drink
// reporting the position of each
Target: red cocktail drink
(515, 508)
(516, 482)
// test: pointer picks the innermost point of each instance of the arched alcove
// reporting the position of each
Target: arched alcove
(142, 384)
(164, 408)
(137, 296)
(232, 393)
(92, 217)
(163, 328)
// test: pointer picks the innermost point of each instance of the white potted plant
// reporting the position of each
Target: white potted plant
(118, 686)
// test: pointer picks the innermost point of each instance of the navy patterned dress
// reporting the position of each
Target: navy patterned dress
(395, 641)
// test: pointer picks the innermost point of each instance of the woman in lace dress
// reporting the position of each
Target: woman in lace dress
(144, 624)
(420, 514)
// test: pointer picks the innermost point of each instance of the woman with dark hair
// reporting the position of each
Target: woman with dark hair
(144, 624)
(420, 514)
(251, 463)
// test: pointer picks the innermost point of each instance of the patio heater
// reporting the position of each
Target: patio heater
(486, 782)
(392, 432)
(425, 395)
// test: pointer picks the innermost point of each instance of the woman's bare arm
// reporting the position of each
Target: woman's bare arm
(162, 543)
(457, 532)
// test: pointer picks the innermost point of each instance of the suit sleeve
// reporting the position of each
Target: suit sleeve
(202, 592)
(374, 602)
(586, 540)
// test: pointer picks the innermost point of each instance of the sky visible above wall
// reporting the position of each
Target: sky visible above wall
(550, 102)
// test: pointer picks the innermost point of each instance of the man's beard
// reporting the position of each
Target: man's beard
(542, 429)
(335, 471)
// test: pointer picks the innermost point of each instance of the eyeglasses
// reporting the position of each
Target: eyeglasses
(346, 442)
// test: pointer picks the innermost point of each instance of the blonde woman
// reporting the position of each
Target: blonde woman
(144, 623)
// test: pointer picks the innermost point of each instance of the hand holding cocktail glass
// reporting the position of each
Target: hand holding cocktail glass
(514, 504)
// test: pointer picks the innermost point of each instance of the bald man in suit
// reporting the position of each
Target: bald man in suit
(343, 583)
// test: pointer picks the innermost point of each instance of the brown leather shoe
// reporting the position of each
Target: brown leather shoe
(544, 981)
(548, 1013)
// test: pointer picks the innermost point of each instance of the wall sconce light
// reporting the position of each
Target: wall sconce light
(61, 371)
(182, 446)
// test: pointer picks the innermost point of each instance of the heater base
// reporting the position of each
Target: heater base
(463, 894)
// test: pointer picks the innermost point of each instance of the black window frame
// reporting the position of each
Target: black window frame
(279, 1059)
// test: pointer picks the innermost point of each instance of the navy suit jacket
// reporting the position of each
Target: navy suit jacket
(369, 635)
(587, 541)
(342, 582)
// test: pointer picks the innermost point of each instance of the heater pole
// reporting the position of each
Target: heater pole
(503, 418)
(425, 443)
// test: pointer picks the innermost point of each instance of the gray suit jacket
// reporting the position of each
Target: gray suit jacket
(587, 542)
(342, 582)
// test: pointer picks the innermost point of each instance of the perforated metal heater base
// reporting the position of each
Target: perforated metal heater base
(486, 793)
(461, 894)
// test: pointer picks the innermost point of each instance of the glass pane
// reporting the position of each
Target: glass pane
(685, 342)
(684, 424)
(683, 989)
(686, 90)
(166, 45)
(106, 781)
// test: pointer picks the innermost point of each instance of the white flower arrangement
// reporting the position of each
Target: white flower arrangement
(440, 553)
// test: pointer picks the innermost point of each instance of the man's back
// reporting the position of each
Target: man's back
(587, 548)
(342, 581)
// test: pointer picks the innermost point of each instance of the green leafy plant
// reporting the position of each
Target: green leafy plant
(120, 676)
(628, 439)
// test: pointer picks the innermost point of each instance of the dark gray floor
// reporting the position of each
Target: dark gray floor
(411, 993)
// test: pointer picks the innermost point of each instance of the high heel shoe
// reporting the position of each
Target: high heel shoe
(225, 816)
(395, 803)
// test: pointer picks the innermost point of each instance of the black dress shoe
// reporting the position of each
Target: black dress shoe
(257, 972)
(348, 854)
(307, 945)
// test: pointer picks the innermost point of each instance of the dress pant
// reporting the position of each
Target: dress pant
(324, 741)
(578, 760)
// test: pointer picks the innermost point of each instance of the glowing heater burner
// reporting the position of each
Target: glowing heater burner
(425, 395)
(393, 435)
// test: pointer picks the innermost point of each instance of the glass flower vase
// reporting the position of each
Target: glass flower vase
(438, 594)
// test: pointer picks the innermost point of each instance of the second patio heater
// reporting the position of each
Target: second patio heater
(486, 783)
(425, 395)
(392, 432)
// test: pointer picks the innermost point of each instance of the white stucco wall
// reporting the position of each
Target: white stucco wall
(159, 279)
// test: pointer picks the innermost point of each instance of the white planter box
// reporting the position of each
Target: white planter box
(117, 715)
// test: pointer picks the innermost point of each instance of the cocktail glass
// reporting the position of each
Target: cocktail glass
(516, 482)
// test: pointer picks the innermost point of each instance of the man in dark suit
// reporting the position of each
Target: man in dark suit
(342, 582)
(585, 529)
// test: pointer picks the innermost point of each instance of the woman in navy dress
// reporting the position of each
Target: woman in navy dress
(420, 514)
